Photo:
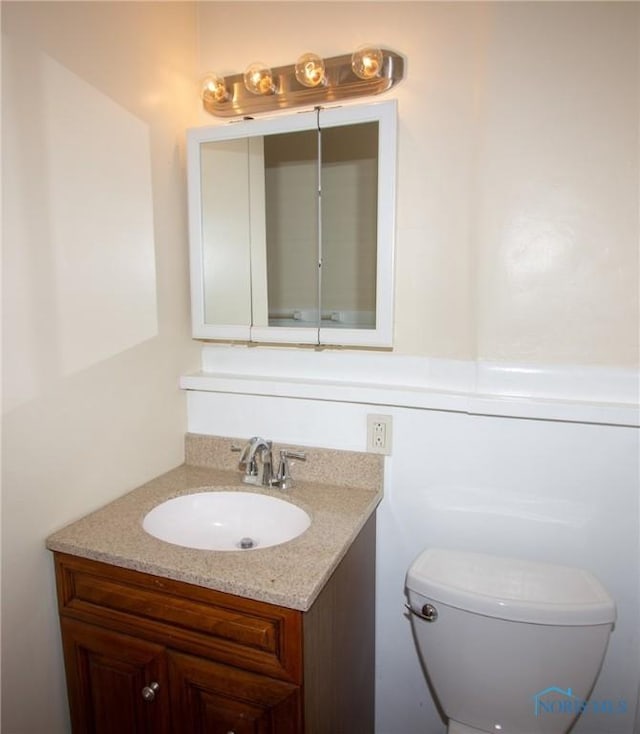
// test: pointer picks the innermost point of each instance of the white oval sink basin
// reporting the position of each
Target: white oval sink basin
(226, 521)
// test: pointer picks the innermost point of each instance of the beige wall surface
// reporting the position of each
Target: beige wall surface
(96, 99)
(517, 209)
(517, 231)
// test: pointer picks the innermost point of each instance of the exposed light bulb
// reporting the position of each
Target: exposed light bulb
(213, 86)
(310, 70)
(258, 79)
(366, 62)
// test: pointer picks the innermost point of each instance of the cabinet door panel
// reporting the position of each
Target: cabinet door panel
(106, 675)
(210, 698)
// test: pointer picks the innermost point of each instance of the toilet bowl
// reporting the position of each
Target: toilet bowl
(508, 646)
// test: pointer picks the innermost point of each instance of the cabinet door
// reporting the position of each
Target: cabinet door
(210, 698)
(116, 683)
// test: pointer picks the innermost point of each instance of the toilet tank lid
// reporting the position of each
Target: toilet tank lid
(510, 588)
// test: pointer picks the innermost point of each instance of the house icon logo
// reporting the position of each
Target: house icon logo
(556, 700)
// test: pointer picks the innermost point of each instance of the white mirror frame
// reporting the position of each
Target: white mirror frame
(385, 113)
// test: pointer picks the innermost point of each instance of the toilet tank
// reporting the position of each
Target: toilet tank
(516, 645)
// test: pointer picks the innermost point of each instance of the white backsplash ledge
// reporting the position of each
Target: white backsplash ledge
(582, 394)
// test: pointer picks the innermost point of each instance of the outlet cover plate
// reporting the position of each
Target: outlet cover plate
(379, 434)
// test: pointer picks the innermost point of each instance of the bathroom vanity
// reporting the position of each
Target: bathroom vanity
(162, 638)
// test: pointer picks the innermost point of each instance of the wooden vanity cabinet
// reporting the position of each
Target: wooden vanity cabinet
(146, 654)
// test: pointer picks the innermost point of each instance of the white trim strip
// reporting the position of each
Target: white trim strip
(562, 393)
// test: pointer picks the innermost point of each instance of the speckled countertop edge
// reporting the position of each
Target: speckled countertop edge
(291, 574)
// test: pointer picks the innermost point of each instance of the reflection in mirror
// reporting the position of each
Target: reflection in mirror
(225, 231)
(349, 225)
(291, 198)
(346, 241)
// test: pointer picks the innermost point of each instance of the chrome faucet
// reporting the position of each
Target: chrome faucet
(256, 461)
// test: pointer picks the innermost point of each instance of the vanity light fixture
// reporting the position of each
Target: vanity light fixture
(311, 80)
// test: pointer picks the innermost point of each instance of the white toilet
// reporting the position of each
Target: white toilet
(508, 646)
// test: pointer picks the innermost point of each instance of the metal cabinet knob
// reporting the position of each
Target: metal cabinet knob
(149, 692)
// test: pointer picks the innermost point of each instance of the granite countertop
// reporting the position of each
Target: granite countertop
(338, 489)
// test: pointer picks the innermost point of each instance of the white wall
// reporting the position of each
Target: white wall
(517, 244)
(517, 214)
(95, 101)
(560, 490)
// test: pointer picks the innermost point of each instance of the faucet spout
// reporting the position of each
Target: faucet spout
(257, 461)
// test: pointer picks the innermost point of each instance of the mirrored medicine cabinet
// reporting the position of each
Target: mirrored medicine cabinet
(292, 227)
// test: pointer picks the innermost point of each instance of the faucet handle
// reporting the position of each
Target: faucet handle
(291, 454)
(283, 478)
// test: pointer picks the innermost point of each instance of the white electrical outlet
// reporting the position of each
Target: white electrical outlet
(379, 434)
